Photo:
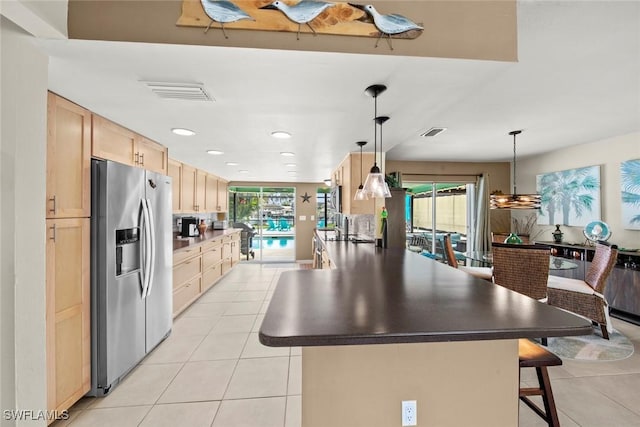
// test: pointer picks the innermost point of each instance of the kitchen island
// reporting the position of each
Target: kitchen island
(390, 325)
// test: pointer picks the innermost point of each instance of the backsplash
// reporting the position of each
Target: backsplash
(362, 225)
(208, 217)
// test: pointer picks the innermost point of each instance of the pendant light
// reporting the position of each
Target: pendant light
(361, 194)
(386, 192)
(375, 184)
(515, 200)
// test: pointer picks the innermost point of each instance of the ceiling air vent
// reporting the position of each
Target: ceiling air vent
(182, 91)
(432, 132)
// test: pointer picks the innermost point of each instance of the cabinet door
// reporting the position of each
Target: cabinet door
(67, 312)
(151, 155)
(188, 188)
(112, 142)
(223, 196)
(201, 180)
(68, 159)
(175, 172)
(211, 196)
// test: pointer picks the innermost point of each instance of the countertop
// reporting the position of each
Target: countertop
(381, 296)
(180, 243)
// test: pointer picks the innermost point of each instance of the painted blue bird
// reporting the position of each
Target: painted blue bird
(301, 13)
(223, 11)
(388, 24)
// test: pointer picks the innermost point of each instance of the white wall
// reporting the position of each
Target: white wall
(608, 154)
(22, 223)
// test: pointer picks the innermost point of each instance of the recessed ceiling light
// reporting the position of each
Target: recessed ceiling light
(280, 134)
(183, 132)
(243, 171)
(231, 164)
(290, 165)
(215, 152)
(287, 154)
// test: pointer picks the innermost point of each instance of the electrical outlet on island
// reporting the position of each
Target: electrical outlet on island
(409, 413)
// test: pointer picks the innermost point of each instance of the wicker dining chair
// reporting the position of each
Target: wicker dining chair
(586, 297)
(480, 272)
(522, 268)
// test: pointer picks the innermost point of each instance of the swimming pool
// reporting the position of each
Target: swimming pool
(273, 242)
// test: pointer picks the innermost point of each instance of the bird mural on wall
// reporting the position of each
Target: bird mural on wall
(223, 12)
(301, 13)
(388, 24)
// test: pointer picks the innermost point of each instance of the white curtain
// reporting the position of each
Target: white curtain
(482, 236)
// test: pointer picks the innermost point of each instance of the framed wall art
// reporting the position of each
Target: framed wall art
(569, 197)
(630, 192)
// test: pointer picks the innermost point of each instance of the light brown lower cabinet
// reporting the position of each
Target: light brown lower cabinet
(68, 323)
(198, 267)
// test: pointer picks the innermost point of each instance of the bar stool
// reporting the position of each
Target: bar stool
(534, 356)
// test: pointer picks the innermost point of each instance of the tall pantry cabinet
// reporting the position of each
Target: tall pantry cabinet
(67, 249)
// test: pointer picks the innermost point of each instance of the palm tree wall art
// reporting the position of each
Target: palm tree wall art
(569, 197)
(630, 187)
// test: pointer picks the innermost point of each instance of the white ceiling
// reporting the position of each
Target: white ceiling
(577, 81)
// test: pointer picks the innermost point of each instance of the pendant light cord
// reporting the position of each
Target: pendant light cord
(361, 162)
(375, 131)
(514, 164)
(381, 162)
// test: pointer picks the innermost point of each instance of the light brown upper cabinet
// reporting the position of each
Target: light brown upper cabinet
(68, 328)
(211, 196)
(175, 172)
(150, 155)
(201, 182)
(223, 196)
(114, 142)
(193, 189)
(188, 188)
(68, 159)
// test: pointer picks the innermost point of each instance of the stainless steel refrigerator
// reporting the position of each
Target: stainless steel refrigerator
(131, 276)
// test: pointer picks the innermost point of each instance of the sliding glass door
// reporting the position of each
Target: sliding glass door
(271, 213)
(442, 208)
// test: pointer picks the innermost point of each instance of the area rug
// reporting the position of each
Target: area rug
(592, 347)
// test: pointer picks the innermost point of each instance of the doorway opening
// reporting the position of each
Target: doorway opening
(270, 211)
(440, 208)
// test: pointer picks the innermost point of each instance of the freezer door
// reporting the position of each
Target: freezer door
(159, 298)
(119, 310)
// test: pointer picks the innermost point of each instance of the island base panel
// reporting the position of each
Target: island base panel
(454, 383)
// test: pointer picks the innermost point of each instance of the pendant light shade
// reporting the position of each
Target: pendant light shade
(375, 185)
(515, 200)
(360, 193)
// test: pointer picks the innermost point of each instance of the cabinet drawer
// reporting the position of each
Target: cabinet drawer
(235, 237)
(226, 266)
(211, 244)
(186, 270)
(211, 257)
(186, 294)
(211, 276)
(178, 257)
(226, 251)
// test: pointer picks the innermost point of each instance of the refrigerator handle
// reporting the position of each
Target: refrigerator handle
(152, 242)
(147, 248)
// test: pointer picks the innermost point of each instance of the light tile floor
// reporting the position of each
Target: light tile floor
(213, 372)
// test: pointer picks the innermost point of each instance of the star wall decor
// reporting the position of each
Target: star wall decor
(306, 197)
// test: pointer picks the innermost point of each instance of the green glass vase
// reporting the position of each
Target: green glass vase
(513, 239)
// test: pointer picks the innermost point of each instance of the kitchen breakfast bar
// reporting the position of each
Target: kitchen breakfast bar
(389, 325)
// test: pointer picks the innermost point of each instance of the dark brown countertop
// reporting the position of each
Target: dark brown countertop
(182, 243)
(381, 296)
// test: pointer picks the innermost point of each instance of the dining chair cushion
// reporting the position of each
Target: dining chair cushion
(567, 284)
